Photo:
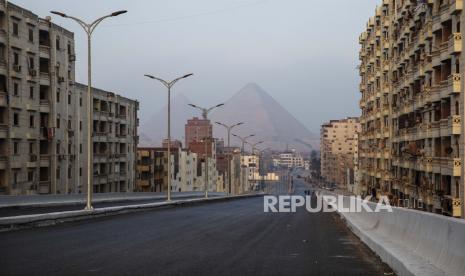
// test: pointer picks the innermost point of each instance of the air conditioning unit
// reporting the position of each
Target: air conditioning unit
(61, 79)
(32, 72)
(17, 68)
(72, 58)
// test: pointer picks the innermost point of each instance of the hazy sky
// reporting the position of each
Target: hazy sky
(303, 52)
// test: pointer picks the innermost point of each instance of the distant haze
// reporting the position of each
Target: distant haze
(304, 53)
(263, 117)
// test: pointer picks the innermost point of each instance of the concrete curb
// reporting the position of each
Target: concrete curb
(48, 219)
(74, 202)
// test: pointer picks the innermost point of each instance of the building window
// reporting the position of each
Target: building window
(15, 58)
(31, 35)
(58, 43)
(16, 148)
(80, 101)
(69, 98)
(31, 92)
(16, 89)
(58, 95)
(69, 172)
(58, 148)
(31, 121)
(58, 173)
(80, 148)
(80, 171)
(15, 29)
(80, 125)
(58, 122)
(30, 176)
(15, 119)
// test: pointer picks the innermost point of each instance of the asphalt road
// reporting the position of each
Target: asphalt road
(225, 238)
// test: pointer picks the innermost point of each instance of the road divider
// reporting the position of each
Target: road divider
(411, 242)
(48, 219)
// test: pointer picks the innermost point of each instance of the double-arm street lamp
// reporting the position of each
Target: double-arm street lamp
(206, 140)
(243, 140)
(254, 146)
(229, 128)
(168, 85)
(89, 29)
(205, 111)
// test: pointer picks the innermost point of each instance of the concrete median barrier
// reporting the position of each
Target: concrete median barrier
(411, 242)
(40, 220)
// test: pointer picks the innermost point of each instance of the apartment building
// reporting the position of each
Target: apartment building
(338, 146)
(196, 130)
(412, 144)
(42, 125)
(114, 138)
(289, 159)
(152, 169)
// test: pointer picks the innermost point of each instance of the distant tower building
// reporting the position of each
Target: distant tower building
(197, 129)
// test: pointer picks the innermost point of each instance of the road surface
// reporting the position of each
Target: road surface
(225, 238)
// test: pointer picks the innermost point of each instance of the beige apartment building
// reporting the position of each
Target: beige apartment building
(338, 146)
(42, 118)
(412, 140)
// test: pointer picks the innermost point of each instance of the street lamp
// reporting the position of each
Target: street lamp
(168, 85)
(89, 29)
(254, 146)
(205, 111)
(205, 140)
(243, 140)
(229, 128)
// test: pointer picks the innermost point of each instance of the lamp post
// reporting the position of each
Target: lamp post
(89, 29)
(260, 166)
(229, 128)
(169, 85)
(254, 146)
(244, 141)
(206, 140)
(206, 111)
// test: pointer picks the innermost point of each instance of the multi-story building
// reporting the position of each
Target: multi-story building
(115, 138)
(186, 178)
(42, 124)
(289, 159)
(151, 170)
(412, 144)
(338, 146)
(196, 130)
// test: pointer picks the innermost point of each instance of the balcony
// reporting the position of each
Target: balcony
(455, 125)
(455, 43)
(456, 6)
(3, 99)
(454, 83)
(143, 183)
(143, 168)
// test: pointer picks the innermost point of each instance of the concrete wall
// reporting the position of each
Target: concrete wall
(412, 242)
